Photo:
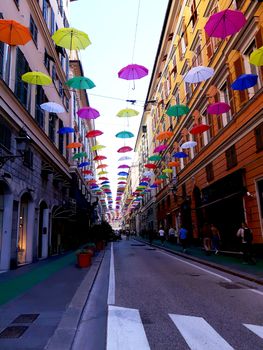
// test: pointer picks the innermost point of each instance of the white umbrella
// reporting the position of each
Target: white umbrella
(198, 74)
(189, 144)
(124, 158)
(52, 107)
(148, 173)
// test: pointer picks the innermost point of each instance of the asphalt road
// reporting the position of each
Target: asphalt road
(164, 302)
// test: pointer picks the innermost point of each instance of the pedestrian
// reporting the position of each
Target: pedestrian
(215, 238)
(162, 235)
(207, 236)
(246, 236)
(183, 237)
(171, 235)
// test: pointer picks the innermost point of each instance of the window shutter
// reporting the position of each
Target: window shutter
(259, 137)
(180, 48)
(185, 34)
(239, 69)
(209, 50)
(259, 43)
(231, 97)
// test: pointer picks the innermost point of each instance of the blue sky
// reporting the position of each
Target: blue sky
(111, 26)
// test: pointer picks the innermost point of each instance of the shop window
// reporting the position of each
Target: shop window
(209, 172)
(259, 137)
(33, 30)
(231, 157)
(5, 136)
(22, 89)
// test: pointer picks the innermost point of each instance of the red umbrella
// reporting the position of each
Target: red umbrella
(122, 183)
(150, 166)
(99, 158)
(103, 178)
(94, 133)
(160, 148)
(88, 113)
(87, 172)
(133, 72)
(124, 149)
(218, 108)
(199, 128)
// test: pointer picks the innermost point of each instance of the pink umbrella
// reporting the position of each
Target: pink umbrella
(224, 23)
(218, 108)
(133, 72)
(160, 148)
(124, 149)
(123, 166)
(88, 113)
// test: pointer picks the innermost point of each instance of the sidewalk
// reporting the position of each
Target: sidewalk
(230, 262)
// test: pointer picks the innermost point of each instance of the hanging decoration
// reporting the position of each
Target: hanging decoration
(127, 113)
(198, 74)
(14, 33)
(164, 135)
(74, 145)
(124, 134)
(36, 78)
(218, 108)
(88, 113)
(52, 107)
(65, 130)
(80, 83)
(256, 57)
(177, 110)
(245, 81)
(94, 133)
(160, 148)
(188, 144)
(71, 39)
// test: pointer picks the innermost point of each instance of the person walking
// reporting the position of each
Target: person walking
(162, 235)
(246, 236)
(171, 235)
(207, 235)
(183, 237)
(215, 238)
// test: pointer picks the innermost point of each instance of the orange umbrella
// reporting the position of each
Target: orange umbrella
(164, 135)
(173, 164)
(101, 166)
(74, 145)
(13, 33)
(158, 182)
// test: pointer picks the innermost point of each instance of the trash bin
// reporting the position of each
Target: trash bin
(84, 259)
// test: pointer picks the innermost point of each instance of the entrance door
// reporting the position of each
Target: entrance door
(22, 233)
(260, 195)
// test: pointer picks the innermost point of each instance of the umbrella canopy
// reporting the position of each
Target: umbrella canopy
(158, 182)
(198, 74)
(154, 158)
(52, 107)
(103, 178)
(244, 81)
(160, 148)
(101, 166)
(88, 113)
(36, 78)
(103, 172)
(177, 110)
(189, 144)
(180, 155)
(121, 178)
(124, 149)
(256, 57)
(133, 72)
(124, 158)
(97, 158)
(13, 33)
(123, 166)
(154, 186)
(124, 134)
(167, 171)
(126, 113)
(105, 182)
(172, 164)
(74, 145)
(150, 166)
(94, 133)
(218, 108)
(80, 155)
(65, 130)
(80, 83)
(97, 147)
(164, 135)
(199, 128)
(225, 23)
(163, 176)
(87, 172)
(83, 164)
(71, 38)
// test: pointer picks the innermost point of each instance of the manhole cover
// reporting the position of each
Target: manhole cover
(13, 332)
(229, 285)
(26, 318)
(138, 245)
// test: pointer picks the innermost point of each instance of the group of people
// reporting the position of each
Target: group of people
(174, 236)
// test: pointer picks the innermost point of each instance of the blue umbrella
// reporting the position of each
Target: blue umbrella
(143, 183)
(244, 81)
(65, 130)
(105, 182)
(123, 173)
(154, 186)
(82, 165)
(180, 155)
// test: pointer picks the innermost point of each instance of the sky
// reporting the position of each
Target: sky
(121, 32)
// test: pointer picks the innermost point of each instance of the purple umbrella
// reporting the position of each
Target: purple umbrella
(225, 23)
(160, 148)
(133, 72)
(88, 113)
(218, 108)
(123, 166)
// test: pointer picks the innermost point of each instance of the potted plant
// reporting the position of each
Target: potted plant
(84, 257)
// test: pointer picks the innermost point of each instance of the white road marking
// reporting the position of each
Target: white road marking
(197, 267)
(125, 330)
(255, 291)
(198, 334)
(258, 330)
(111, 290)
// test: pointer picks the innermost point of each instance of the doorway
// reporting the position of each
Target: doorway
(22, 232)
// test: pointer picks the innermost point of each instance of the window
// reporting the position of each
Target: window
(183, 41)
(22, 90)
(231, 157)
(259, 137)
(39, 113)
(52, 22)
(193, 18)
(45, 10)
(47, 61)
(251, 68)
(197, 50)
(54, 73)
(28, 159)
(60, 138)
(33, 30)
(52, 126)
(17, 3)
(212, 43)
(224, 97)
(209, 172)
(5, 136)
(239, 70)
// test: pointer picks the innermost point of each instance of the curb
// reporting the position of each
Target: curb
(207, 263)
(63, 337)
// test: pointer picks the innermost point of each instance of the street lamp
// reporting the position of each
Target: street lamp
(22, 141)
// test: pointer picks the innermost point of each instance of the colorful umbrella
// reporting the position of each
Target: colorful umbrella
(94, 133)
(172, 164)
(154, 186)
(218, 108)
(36, 78)
(199, 128)
(80, 155)
(164, 135)
(105, 182)
(198, 74)
(74, 145)
(256, 57)
(133, 72)
(126, 113)
(102, 172)
(88, 113)
(244, 81)
(121, 178)
(52, 107)
(160, 148)
(225, 23)
(99, 158)
(124, 158)
(124, 134)
(123, 173)
(150, 166)
(97, 147)
(65, 130)
(122, 183)
(189, 144)
(124, 149)
(83, 164)
(103, 178)
(87, 172)
(154, 158)
(180, 155)
(167, 171)
(177, 110)
(101, 166)
(80, 83)
(158, 182)
(162, 176)
(123, 166)
(13, 33)
(71, 38)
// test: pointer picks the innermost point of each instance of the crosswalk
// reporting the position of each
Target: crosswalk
(125, 330)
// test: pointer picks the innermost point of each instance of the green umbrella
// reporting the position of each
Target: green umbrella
(177, 110)
(81, 83)
(155, 157)
(124, 134)
(163, 176)
(79, 155)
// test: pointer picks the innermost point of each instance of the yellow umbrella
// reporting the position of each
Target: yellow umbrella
(167, 171)
(97, 147)
(71, 38)
(36, 78)
(256, 57)
(127, 113)
(102, 172)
